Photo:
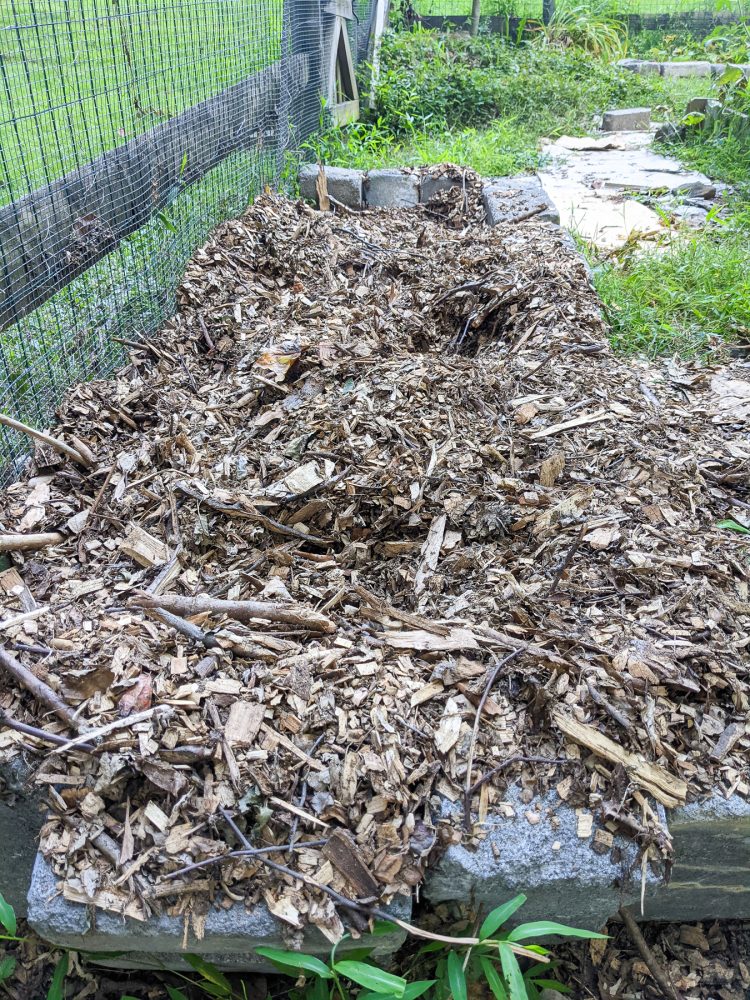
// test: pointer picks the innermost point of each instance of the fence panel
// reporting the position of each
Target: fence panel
(128, 129)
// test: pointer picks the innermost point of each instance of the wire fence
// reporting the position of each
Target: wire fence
(128, 130)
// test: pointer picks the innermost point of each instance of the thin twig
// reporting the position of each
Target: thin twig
(18, 542)
(303, 790)
(130, 720)
(515, 759)
(251, 852)
(43, 692)
(661, 977)
(566, 561)
(241, 611)
(477, 717)
(40, 734)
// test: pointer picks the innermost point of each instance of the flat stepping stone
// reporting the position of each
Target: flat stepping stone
(517, 199)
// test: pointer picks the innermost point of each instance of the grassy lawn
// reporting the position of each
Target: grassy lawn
(78, 77)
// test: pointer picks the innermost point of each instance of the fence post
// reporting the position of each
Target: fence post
(548, 10)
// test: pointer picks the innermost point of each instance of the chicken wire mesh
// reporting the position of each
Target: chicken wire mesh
(128, 130)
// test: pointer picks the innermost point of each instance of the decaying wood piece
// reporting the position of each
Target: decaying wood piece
(41, 691)
(52, 442)
(241, 611)
(28, 543)
(342, 852)
(656, 780)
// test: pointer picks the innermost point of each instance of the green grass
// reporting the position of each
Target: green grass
(487, 103)
(688, 298)
(78, 77)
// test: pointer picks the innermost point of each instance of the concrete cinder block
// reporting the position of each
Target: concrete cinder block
(515, 199)
(627, 120)
(686, 69)
(642, 66)
(229, 941)
(343, 184)
(433, 185)
(21, 817)
(565, 879)
(391, 189)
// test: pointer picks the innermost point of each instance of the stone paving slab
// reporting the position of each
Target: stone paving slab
(516, 199)
(695, 68)
(229, 940)
(391, 188)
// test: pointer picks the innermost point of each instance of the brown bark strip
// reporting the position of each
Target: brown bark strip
(344, 856)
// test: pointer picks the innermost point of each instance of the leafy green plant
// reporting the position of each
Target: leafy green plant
(493, 960)
(731, 525)
(589, 26)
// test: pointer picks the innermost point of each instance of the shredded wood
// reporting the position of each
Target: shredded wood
(406, 437)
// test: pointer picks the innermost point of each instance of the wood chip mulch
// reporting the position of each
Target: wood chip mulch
(374, 462)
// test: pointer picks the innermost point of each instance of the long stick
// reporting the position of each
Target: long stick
(470, 762)
(241, 611)
(55, 443)
(41, 691)
(647, 955)
(18, 542)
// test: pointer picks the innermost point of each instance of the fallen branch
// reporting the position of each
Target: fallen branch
(55, 443)
(660, 976)
(241, 611)
(41, 691)
(470, 761)
(28, 543)
(184, 627)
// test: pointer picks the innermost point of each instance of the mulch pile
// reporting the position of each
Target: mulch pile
(462, 543)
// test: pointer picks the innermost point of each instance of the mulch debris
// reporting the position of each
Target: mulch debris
(375, 461)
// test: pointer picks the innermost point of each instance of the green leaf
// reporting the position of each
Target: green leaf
(175, 994)
(382, 927)
(694, 118)
(209, 972)
(57, 986)
(552, 984)
(732, 525)
(541, 928)
(513, 975)
(296, 960)
(500, 915)
(730, 75)
(494, 981)
(7, 967)
(7, 915)
(166, 221)
(372, 978)
(417, 988)
(456, 976)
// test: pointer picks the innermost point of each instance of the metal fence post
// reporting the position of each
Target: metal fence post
(548, 10)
